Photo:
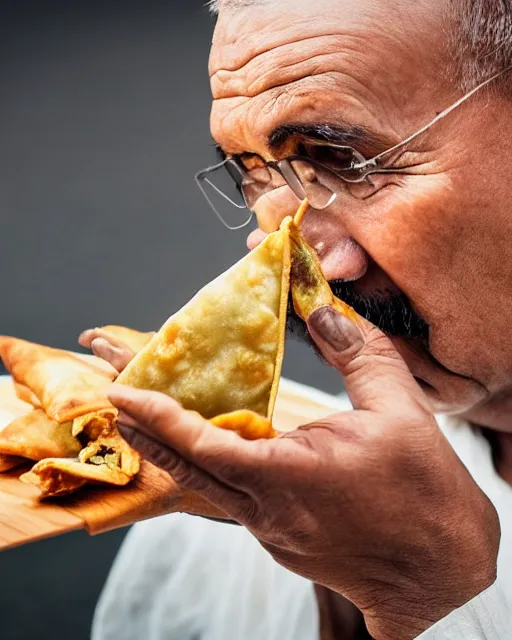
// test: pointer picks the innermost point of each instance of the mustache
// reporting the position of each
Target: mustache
(390, 311)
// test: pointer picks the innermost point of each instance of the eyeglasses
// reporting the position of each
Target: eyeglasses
(233, 186)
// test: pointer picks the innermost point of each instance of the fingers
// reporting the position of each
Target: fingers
(107, 347)
(221, 454)
(234, 503)
(375, 375)
(86, 337)
(154, 452)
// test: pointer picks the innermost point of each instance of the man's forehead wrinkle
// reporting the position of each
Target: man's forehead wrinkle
(242, 36)
(237, 41)
(239, 38)
(286, 63)
(245, 124)
(365, 68)
(245, 56)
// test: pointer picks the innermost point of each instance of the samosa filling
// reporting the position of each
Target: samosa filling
(106, 456)
(105, 451)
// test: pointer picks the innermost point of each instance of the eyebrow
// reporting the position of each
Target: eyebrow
(333, 133)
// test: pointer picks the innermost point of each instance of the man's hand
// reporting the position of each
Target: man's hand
(373, 504)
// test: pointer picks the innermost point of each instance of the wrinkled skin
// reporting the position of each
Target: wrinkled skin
(441, 236)
(332, 501)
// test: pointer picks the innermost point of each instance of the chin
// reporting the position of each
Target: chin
(444, 405)
(447, 392)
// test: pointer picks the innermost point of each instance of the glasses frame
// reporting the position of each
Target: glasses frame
(360, 165)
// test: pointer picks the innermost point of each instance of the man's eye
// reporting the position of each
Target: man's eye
(337, 159)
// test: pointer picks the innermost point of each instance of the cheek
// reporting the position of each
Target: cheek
(436, 243)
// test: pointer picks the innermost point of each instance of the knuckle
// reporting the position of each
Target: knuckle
(155, 453)
(378, 344)
(185, 478)
(161, 458)
(250, 515)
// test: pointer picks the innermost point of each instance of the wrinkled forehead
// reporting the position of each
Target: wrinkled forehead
(255, 28)
(374, 54)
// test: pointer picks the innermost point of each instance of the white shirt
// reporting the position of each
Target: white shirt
(185, 578)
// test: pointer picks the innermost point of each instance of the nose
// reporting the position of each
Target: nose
(273, 207)
(341, 257)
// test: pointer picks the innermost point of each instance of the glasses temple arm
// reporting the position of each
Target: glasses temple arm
(440, 116)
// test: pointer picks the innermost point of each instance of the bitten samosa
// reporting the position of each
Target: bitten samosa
(309, 288)
(68, 388)
(106, 458)
(223, 351)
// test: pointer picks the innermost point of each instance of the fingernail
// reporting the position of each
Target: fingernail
(337, 330)
(100, 346)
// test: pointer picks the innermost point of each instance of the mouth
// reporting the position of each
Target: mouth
(373, 297)
(389, 310)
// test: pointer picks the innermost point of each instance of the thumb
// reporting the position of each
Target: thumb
(375, 375)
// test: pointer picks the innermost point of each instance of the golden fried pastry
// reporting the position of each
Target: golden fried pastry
(35, 437)
(223, 351)
(310, 290)
(65, 386)
(106, 459)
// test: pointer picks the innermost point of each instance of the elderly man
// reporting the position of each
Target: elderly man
(393, 119)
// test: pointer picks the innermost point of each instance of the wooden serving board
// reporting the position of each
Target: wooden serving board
(25, 518)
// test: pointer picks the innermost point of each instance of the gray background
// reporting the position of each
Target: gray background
(103, 122)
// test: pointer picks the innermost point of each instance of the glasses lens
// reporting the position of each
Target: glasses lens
(258, 178)
(342, 161)
(315, 184)
(222, 188)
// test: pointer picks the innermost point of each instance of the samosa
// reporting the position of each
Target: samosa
(309, 288)
(68, 388)
(65, 386)
(106, 458)
(35, 436)
(223, 351)
(7, 463)
(25, 394)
